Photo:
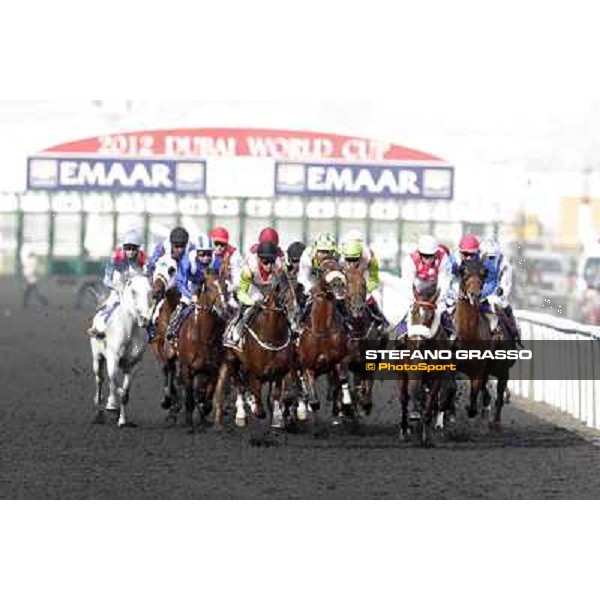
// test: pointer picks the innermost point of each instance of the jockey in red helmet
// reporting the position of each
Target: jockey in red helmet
(268, 235)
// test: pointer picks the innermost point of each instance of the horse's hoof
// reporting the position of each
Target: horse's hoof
(113, 409)
(99, 419)
(128, 425)
(472, 413)
(166, 404)
(241, 423)
(367, 409)
(315, 406)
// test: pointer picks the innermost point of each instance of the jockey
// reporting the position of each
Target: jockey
(357, 255)
(268, 235)
(230, 257)
(323, 247)
(255, 278)
(176, 247)
(427, 264)
(497, 287)
(201, 261)
(127, 260)
(469, 250)
(292, 267)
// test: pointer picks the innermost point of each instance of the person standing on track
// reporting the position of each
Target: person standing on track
(29, 271)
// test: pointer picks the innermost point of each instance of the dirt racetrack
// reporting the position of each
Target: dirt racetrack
(50, 449)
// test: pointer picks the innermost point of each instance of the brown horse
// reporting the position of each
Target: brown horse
(471, 327)
(424, 333)
(199, 348)
(365, 329)
(323, 342)
(170, 300)
(267, 356)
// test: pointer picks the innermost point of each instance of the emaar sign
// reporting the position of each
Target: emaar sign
(111, 175)
(393, 181)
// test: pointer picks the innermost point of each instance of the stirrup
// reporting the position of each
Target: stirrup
(93, 333)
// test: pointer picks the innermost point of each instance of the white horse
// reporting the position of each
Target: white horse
(123, 348)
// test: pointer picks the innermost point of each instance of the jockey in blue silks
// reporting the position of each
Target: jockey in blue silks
(202, 261)
(126, 261)
(176, 247)
(496, 288)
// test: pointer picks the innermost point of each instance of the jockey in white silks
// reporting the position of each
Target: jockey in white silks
(127, 261)
(428, 264)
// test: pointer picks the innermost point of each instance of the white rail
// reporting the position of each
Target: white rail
(580, 396)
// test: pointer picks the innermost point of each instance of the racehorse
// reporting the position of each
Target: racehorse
(472, 329)
(424, 333)
(323, 343)
(267, 356)
(365, 329)
(167, 297)
(122, 348)
(199, 348)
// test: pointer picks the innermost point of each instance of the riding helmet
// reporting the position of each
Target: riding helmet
(267, 250)
(295, 251)
(427, 245)
(269, 235)
(131, 238)
(179, 236)
(469, 243)
(205, 244)
(220, 234)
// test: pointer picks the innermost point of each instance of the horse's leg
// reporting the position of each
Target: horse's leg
(187, 380)
(124, 393)
(441, 403)
(487, 399)
(99, 364)
(256, 389)
(112, 368)
(277, 420)
(219, 394)
(476, 386)
(403, 397)
(501, 389)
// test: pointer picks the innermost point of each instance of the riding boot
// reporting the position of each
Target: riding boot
(448, 325)
(238, 327)
(378, 315)
(346, 318)
(175, 322)
(306, 310)
(511, 325)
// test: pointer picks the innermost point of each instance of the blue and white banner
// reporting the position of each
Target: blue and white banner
(394, 181)
(116, 175)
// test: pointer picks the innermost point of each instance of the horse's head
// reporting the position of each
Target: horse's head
(423, 311)
(164, 275)
(137, 298)
(333, 281)
(356, 291)
(211, 292)
(279, 295)
(472, 275)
